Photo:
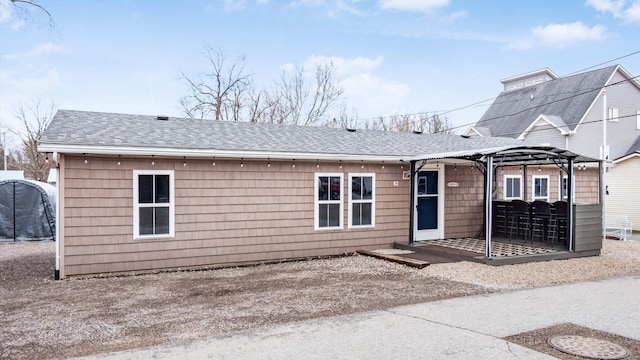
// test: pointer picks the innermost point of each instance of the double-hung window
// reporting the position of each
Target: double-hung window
(362, 200)
(153, 204)
(328, 201)
(540, 187)
(512, 187)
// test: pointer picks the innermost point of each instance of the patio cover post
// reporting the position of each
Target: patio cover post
(412, 202)
(570, 185)
(488, 205)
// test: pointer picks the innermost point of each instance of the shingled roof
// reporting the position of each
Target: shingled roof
(110, 133)
(566, 99)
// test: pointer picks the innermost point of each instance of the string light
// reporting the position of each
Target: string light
(362, 164)
(455, 167)
(340, 164)
(294, 163)
(85, 158)
(241, 162)
(46, 159)
(184, 162)
(317, 163)
(153, 161)
(268, 162)
(383, 164)
(213, 163)
(119, 160)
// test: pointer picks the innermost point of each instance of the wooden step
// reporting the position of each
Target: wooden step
(419, 264)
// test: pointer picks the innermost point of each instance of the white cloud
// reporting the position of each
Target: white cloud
(413, 5)
(449, 18)
(234, 5)
(5, 11)
(560, 35)
(621, 9)
(38, 51)
(362, 87)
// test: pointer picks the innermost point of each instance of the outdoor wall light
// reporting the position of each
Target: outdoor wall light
(153, 161)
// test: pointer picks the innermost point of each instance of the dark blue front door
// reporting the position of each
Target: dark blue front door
(427, 200)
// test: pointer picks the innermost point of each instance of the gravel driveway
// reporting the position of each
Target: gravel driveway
(42, 318)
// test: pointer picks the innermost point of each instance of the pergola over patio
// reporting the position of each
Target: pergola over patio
(488, 160)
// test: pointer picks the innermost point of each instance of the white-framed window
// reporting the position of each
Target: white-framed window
(328, 201)
(638, 120)
(362, 210)
(540, 187)
(613, 114)
(153, 204)
(562, 187)
(512, 187)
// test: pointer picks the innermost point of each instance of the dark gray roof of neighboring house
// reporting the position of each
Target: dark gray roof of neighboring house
(635, 147)
(568, 98)
(111, 130)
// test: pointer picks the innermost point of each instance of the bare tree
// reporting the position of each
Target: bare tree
(34, 121)
(422, 122)
(293, 101)
(220, 93)
(22, 8)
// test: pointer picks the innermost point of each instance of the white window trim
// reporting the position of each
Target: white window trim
(638, 120)
(372, 201)
(504, 183)
(560, 182)
(533, 187)
(614, 114)
(136, 205)
(317, 202)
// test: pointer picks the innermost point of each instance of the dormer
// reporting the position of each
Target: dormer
(528, 79)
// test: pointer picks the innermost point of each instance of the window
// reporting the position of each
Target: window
(153, 204)
(512, 188)
(362, 200)
(613, 114)
(638, 120)
(540, 186)
(562, 191)
(328, 201)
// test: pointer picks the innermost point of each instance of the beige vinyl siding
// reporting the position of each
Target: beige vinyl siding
(463, 204)
(224, 214)
(624, 191)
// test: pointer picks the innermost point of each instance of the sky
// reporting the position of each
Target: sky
(389, 56)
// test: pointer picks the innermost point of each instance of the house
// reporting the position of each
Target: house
(139, 192)
(623, 197)
(567, 113)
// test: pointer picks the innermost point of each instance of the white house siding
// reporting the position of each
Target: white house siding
(544, 133)
(620, 135)
(224, 214)
(624, 194)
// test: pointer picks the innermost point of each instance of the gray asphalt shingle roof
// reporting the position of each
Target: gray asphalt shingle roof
(635, 147)
(568, 98)
(97, 129)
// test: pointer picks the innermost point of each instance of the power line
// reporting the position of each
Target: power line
(480, 103)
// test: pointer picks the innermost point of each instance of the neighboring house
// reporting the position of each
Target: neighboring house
(624, 192)
(565, 112)
(145, 192)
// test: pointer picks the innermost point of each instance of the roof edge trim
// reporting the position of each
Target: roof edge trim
(209, 153)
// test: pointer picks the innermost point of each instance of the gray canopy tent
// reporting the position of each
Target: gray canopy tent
(27, 211)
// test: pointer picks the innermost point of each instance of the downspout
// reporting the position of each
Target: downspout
(605, 158)
(488, 205)
(412, 202)
(56, 274)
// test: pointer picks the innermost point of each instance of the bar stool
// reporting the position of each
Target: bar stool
(558, 223)
(518, 219)
(540, 218)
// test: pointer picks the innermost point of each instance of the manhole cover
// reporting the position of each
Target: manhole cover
(588, 347)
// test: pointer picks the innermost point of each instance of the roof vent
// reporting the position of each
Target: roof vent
(417, 131)
(465, 136)
(351, 129)
(163, 117)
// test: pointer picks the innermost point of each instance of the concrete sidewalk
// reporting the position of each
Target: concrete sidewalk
(460, 328)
